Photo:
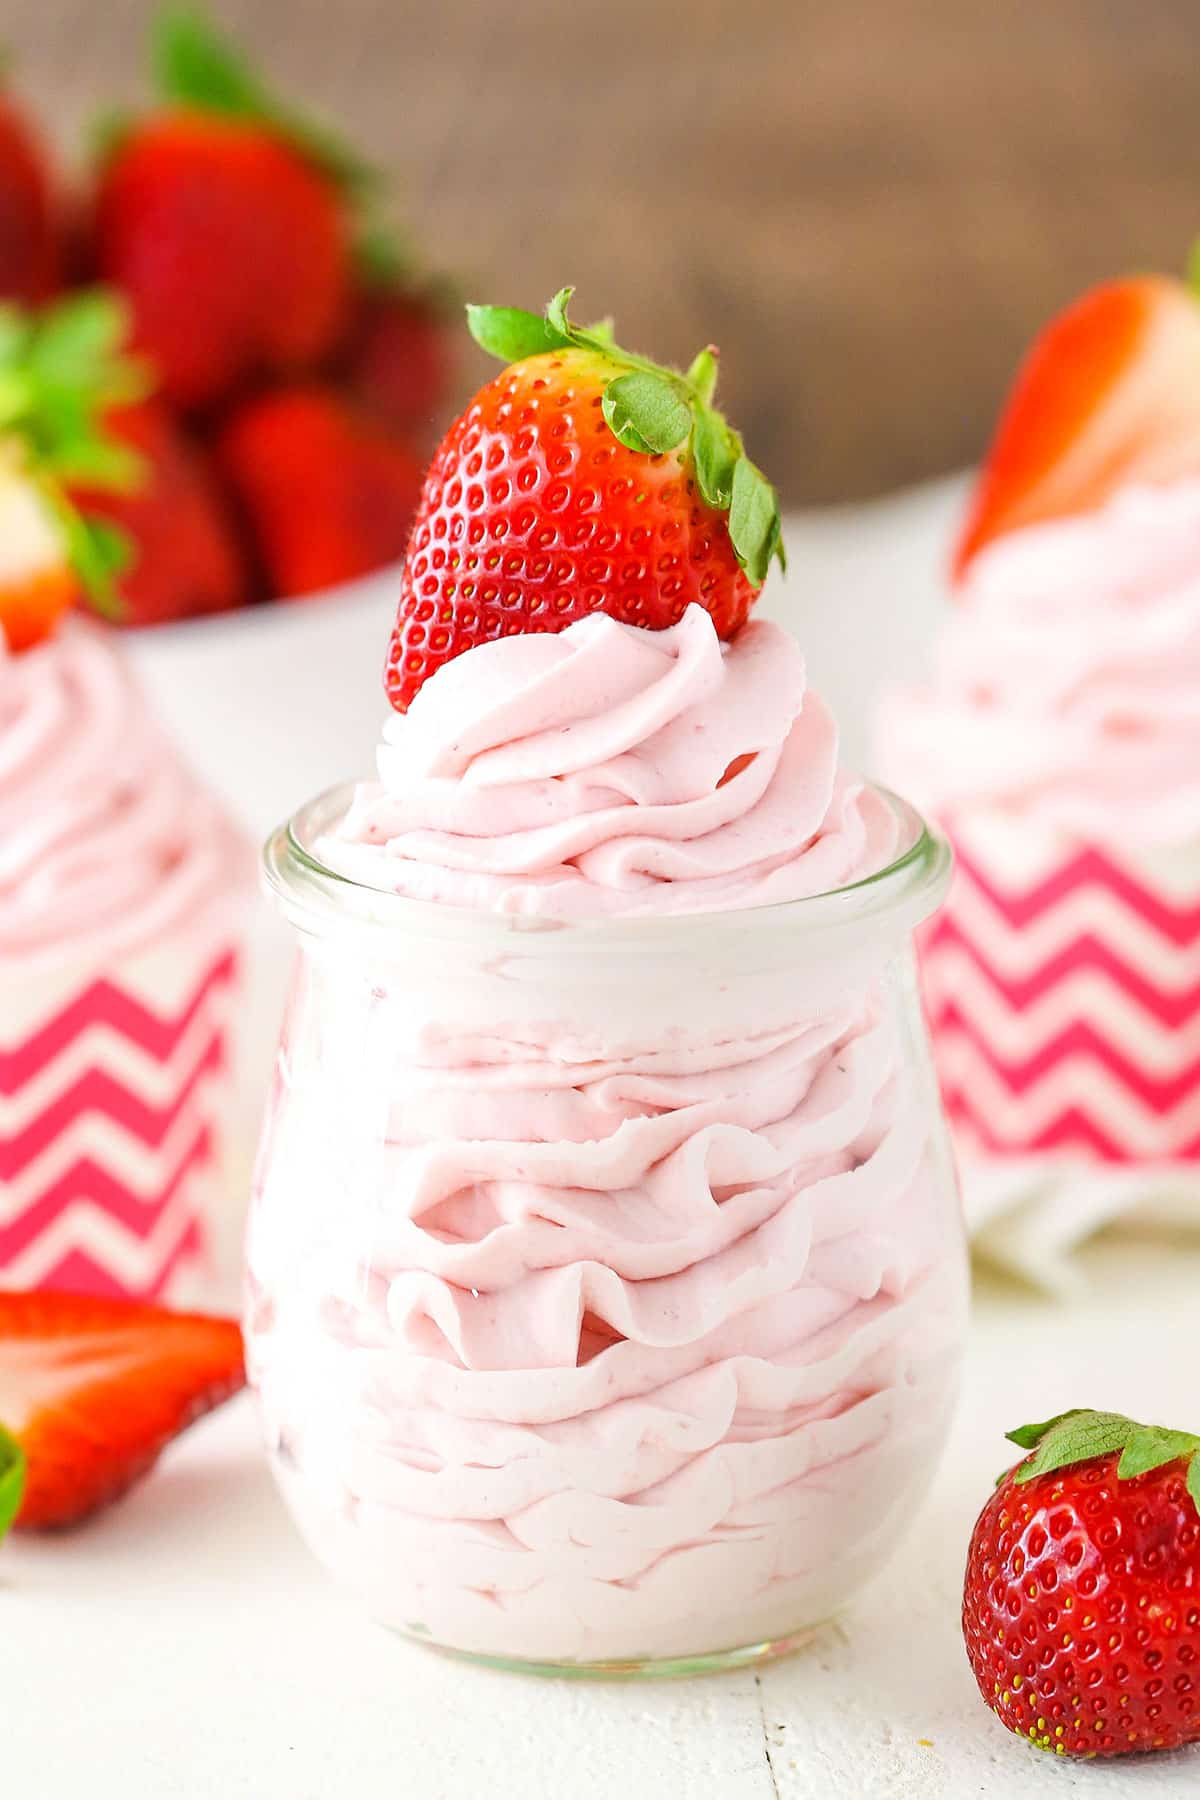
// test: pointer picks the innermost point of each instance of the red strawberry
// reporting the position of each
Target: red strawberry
(1081, 1609)
(61, 372)
(327, 495)
(184, 554)
(226, 222)
(29, 218)
(1107, 395)
(92, 1390)
(583, 479)
(399, 358)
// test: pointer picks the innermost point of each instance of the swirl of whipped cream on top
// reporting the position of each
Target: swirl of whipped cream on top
(1067, 682)
(610, 770)
(106, 839)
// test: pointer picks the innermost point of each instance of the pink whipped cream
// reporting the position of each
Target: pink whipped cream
(606, 1291)
(106, 839)
(613, 771)
(1067, 675)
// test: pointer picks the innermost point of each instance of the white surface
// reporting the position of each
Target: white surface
(185, 1647)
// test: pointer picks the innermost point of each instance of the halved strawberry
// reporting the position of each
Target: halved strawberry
(1108, 394)
(92, 1390)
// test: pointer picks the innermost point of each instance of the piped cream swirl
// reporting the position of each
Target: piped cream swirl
(106, 839)
(611, 770)
(1067, 682)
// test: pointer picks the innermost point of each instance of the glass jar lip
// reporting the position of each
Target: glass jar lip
(317, 898)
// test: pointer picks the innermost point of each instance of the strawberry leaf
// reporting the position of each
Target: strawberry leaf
(1030, 1436)
(1078, 1437)
(598, 337)
(73, 340)
(98, 462)
(556, 313)
(12, 1479)
(754, 522)
(194, 66)
(1081, 1436)
(715, 452)
(60, 372)
(99, 552)
(1151, 1446)
(702, 374)
(511, 333)
(647, 408)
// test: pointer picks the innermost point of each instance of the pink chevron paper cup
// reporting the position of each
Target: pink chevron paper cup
(113, 1084)
(1062, 983)
(1057, 739)
(122, 895)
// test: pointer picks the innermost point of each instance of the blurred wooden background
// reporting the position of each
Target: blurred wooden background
(868, 204)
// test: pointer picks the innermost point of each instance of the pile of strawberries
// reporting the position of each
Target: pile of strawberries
(296, 362)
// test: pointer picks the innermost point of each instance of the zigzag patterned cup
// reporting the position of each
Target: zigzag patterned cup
(114, 1080)
(1062, 984)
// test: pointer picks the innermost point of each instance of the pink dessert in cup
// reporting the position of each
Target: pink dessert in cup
(606, 1283)
(121, 883)
(1059, 744)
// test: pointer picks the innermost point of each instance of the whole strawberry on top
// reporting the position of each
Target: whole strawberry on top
(1105, 398)
(583, 479)
(227, 220)
(1081, 1606)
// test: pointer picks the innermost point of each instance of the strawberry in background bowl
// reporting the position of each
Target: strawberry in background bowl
(270, 301)
(279, 447)
(30, 222)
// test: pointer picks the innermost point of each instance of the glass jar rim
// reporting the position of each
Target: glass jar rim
(320, 899)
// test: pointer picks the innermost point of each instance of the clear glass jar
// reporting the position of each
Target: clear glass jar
(606, 1282)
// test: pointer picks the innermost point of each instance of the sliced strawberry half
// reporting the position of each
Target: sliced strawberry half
(1108, 394)
(92, 1390)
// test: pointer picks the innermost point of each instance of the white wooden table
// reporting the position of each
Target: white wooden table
(186, 1647)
